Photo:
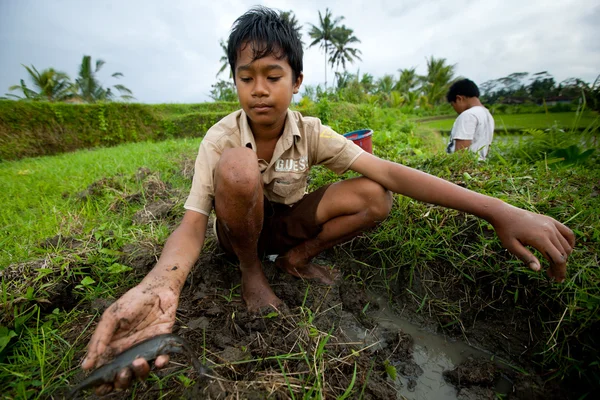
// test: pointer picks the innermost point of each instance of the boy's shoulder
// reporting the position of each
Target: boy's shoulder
(304, 123)
(226, 126)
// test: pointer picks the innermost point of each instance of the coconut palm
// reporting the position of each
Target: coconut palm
(224, 60)
(323, 34)
(436, 83)
(50, 84)
(408, 80)
(88, 87)
(341, 52)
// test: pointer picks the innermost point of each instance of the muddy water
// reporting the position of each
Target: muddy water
(434, 354)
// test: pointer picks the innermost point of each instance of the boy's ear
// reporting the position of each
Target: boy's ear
(298, 83)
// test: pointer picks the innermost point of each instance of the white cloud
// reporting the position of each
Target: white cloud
(169, 52)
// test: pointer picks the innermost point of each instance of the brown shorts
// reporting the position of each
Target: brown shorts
(284, 227)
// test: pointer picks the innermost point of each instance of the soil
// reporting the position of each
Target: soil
(242, 348)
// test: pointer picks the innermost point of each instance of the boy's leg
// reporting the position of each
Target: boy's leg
(239, 208)
(347, 208)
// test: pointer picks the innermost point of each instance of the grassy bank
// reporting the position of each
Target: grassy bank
(517, 122)
(68, 220)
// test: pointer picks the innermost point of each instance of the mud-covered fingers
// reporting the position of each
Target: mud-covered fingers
(103, 389)
(100, 341)
(141, 368)
(123, 380)
(161, 361)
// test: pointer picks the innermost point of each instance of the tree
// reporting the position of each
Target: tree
(223, 91)
(224, 60)
(51, 85)
(542, 86)
(290, 18)
(436, 83)
(323, 34)
(367, 81)
(88, 87)
(408, 80)
(341, 52)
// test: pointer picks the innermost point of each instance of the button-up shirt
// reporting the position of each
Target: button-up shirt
(305, 142)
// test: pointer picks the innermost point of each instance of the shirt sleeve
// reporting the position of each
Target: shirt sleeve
(202, 192)
(464, 127)
(333, 150)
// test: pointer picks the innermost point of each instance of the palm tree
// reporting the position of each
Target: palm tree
(88, 87)
(323, 34)
(224, 60)
(290, 18)
(437, 81)
(341, 52)
(52, 85)
(408, 80)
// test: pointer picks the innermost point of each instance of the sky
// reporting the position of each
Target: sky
(168, 51)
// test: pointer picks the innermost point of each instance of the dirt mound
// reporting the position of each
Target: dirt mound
(155, 211)
(99, 187)
(141, 256)
(473, 372)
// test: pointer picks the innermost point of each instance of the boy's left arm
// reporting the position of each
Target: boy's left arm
(515, 227)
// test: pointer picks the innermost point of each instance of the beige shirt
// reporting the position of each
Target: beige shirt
(305, 142)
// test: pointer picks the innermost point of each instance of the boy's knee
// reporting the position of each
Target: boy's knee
(237, 170)
(379, 200)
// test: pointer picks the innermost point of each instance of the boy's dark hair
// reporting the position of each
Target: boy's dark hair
(270, 34)
(464, 87)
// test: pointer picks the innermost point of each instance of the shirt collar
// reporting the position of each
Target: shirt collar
(290, 131)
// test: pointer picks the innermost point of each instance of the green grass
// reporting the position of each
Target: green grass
(517, 122)
(454, 253)
(40, 195)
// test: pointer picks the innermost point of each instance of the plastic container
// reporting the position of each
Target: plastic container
(361, 138)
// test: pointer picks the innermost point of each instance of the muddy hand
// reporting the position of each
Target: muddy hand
(518, 228)
(144, 311)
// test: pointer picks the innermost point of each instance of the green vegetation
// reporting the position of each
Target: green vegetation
(515, 123)
(30, 129)
(57, 86)
(66, 220)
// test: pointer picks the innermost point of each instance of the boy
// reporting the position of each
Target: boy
(252, 168)
(474, 127)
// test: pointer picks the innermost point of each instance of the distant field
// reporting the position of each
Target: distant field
(514, 122)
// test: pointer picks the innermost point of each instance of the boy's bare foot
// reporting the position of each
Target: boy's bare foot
(321, 273)
(256, 291)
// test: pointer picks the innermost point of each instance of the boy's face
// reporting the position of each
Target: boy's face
(265, 87)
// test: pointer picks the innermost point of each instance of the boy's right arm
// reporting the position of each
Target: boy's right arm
(149, 308)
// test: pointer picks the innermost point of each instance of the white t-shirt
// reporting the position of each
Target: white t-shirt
(475, 124)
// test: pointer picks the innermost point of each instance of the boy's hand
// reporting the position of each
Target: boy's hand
(143, 312)
(518, 228)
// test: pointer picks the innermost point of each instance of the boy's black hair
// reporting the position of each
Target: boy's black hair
(270, 34)
(464, 87)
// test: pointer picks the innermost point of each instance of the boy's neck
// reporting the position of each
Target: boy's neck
(473, 102)
(267, 133)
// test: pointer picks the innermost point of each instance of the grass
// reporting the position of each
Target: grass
(517, 122)
(42, 197)
(449, 264)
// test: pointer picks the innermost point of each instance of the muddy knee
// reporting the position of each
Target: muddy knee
(236, 173)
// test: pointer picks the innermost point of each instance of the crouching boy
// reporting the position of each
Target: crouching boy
(252, 168)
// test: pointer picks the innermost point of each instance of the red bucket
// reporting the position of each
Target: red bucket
(361, 138)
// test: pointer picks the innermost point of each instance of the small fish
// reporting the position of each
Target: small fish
(149, 349)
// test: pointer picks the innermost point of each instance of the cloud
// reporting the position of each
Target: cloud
(169, 52)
